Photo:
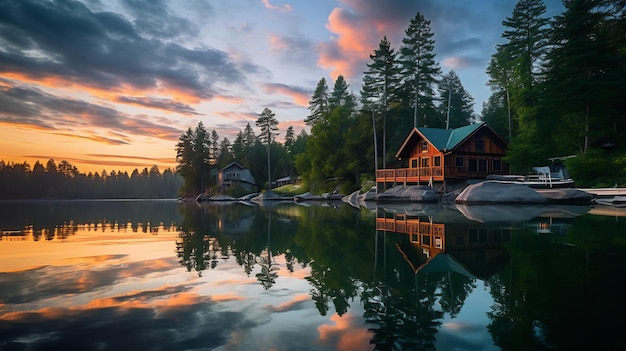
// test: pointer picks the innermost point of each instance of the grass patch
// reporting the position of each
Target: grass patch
(289, 190)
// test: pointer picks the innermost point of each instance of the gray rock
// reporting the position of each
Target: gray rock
(567, 195)
(499, 192)
(416, 193)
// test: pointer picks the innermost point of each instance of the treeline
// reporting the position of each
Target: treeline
(558, 89)
(65, 181)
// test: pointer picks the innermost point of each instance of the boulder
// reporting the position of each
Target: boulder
(566, 195)
(416, 193)
(493, 192)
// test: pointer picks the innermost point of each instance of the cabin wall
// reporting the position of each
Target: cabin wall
(477, 157)
(425, 156)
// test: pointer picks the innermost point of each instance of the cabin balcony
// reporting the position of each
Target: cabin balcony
(410, 175)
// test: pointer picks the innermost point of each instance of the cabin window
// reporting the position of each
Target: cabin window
(473, 165)
(425, 162)
(424, 146)
(482, 166)
(459, 162)
(496, 165)
(437, 161)
(414, 163)
(479, 141)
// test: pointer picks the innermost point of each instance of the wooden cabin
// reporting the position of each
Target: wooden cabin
(447, 158)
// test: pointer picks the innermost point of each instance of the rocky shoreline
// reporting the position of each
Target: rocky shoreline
(487, 192)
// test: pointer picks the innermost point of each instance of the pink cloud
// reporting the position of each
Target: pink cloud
(455, 62)
(283, 8)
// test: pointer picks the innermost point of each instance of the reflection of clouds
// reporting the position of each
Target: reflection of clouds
(183, 321)
(296, 303)
(346, 334)
(40, 283)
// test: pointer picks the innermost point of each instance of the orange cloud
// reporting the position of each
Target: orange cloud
(111, 93)
(294, 303)
(344, 335)
(357, 32)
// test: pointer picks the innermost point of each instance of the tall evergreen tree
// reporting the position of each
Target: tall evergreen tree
(586, 75)
(318, 105)
(269, 129)
(420, 70)
(527, 33)
(192, 156)
(501, 81)
(290, 138)
(380, 83)
(340, 96)
(457, 104)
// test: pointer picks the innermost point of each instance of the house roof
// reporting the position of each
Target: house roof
(244, 173)
(442, 139)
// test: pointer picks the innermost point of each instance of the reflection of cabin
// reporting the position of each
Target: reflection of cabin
(476, 246)
(449, 158)
(235, 175)
(429, 236)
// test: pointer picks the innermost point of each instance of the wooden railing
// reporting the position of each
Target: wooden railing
(400, 175)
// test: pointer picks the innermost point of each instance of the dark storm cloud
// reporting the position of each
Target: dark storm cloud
(66, 40)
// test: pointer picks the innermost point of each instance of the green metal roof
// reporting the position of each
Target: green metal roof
(448, 139)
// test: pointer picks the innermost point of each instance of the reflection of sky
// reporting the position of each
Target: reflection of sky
(127, 291)
(468, 330)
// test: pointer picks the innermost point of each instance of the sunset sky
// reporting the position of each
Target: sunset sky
(113, 84)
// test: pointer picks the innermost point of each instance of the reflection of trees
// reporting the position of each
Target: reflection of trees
(558, 291)
(62, 219)
(267, 276)
(455, 288)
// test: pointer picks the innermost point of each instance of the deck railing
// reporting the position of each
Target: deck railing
(409, 174)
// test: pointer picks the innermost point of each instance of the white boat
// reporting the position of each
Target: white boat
(543, 179)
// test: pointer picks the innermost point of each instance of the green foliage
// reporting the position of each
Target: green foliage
(598, 168)
(193, 156)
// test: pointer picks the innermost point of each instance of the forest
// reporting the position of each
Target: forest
(65, 181)
(557, 90)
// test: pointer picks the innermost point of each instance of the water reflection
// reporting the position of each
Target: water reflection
(241, 276)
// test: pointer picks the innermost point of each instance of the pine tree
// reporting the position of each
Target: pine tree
(340, 96)
(269, 129)
(380, 83)
(192, 156)
(457, 104)
(318, 105)
(527, 35)
(419, 69)
(584, 82)
(289, 138)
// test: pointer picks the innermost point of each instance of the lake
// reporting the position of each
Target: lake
(158, 275)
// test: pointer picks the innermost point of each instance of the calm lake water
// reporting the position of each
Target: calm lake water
(156, 275)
